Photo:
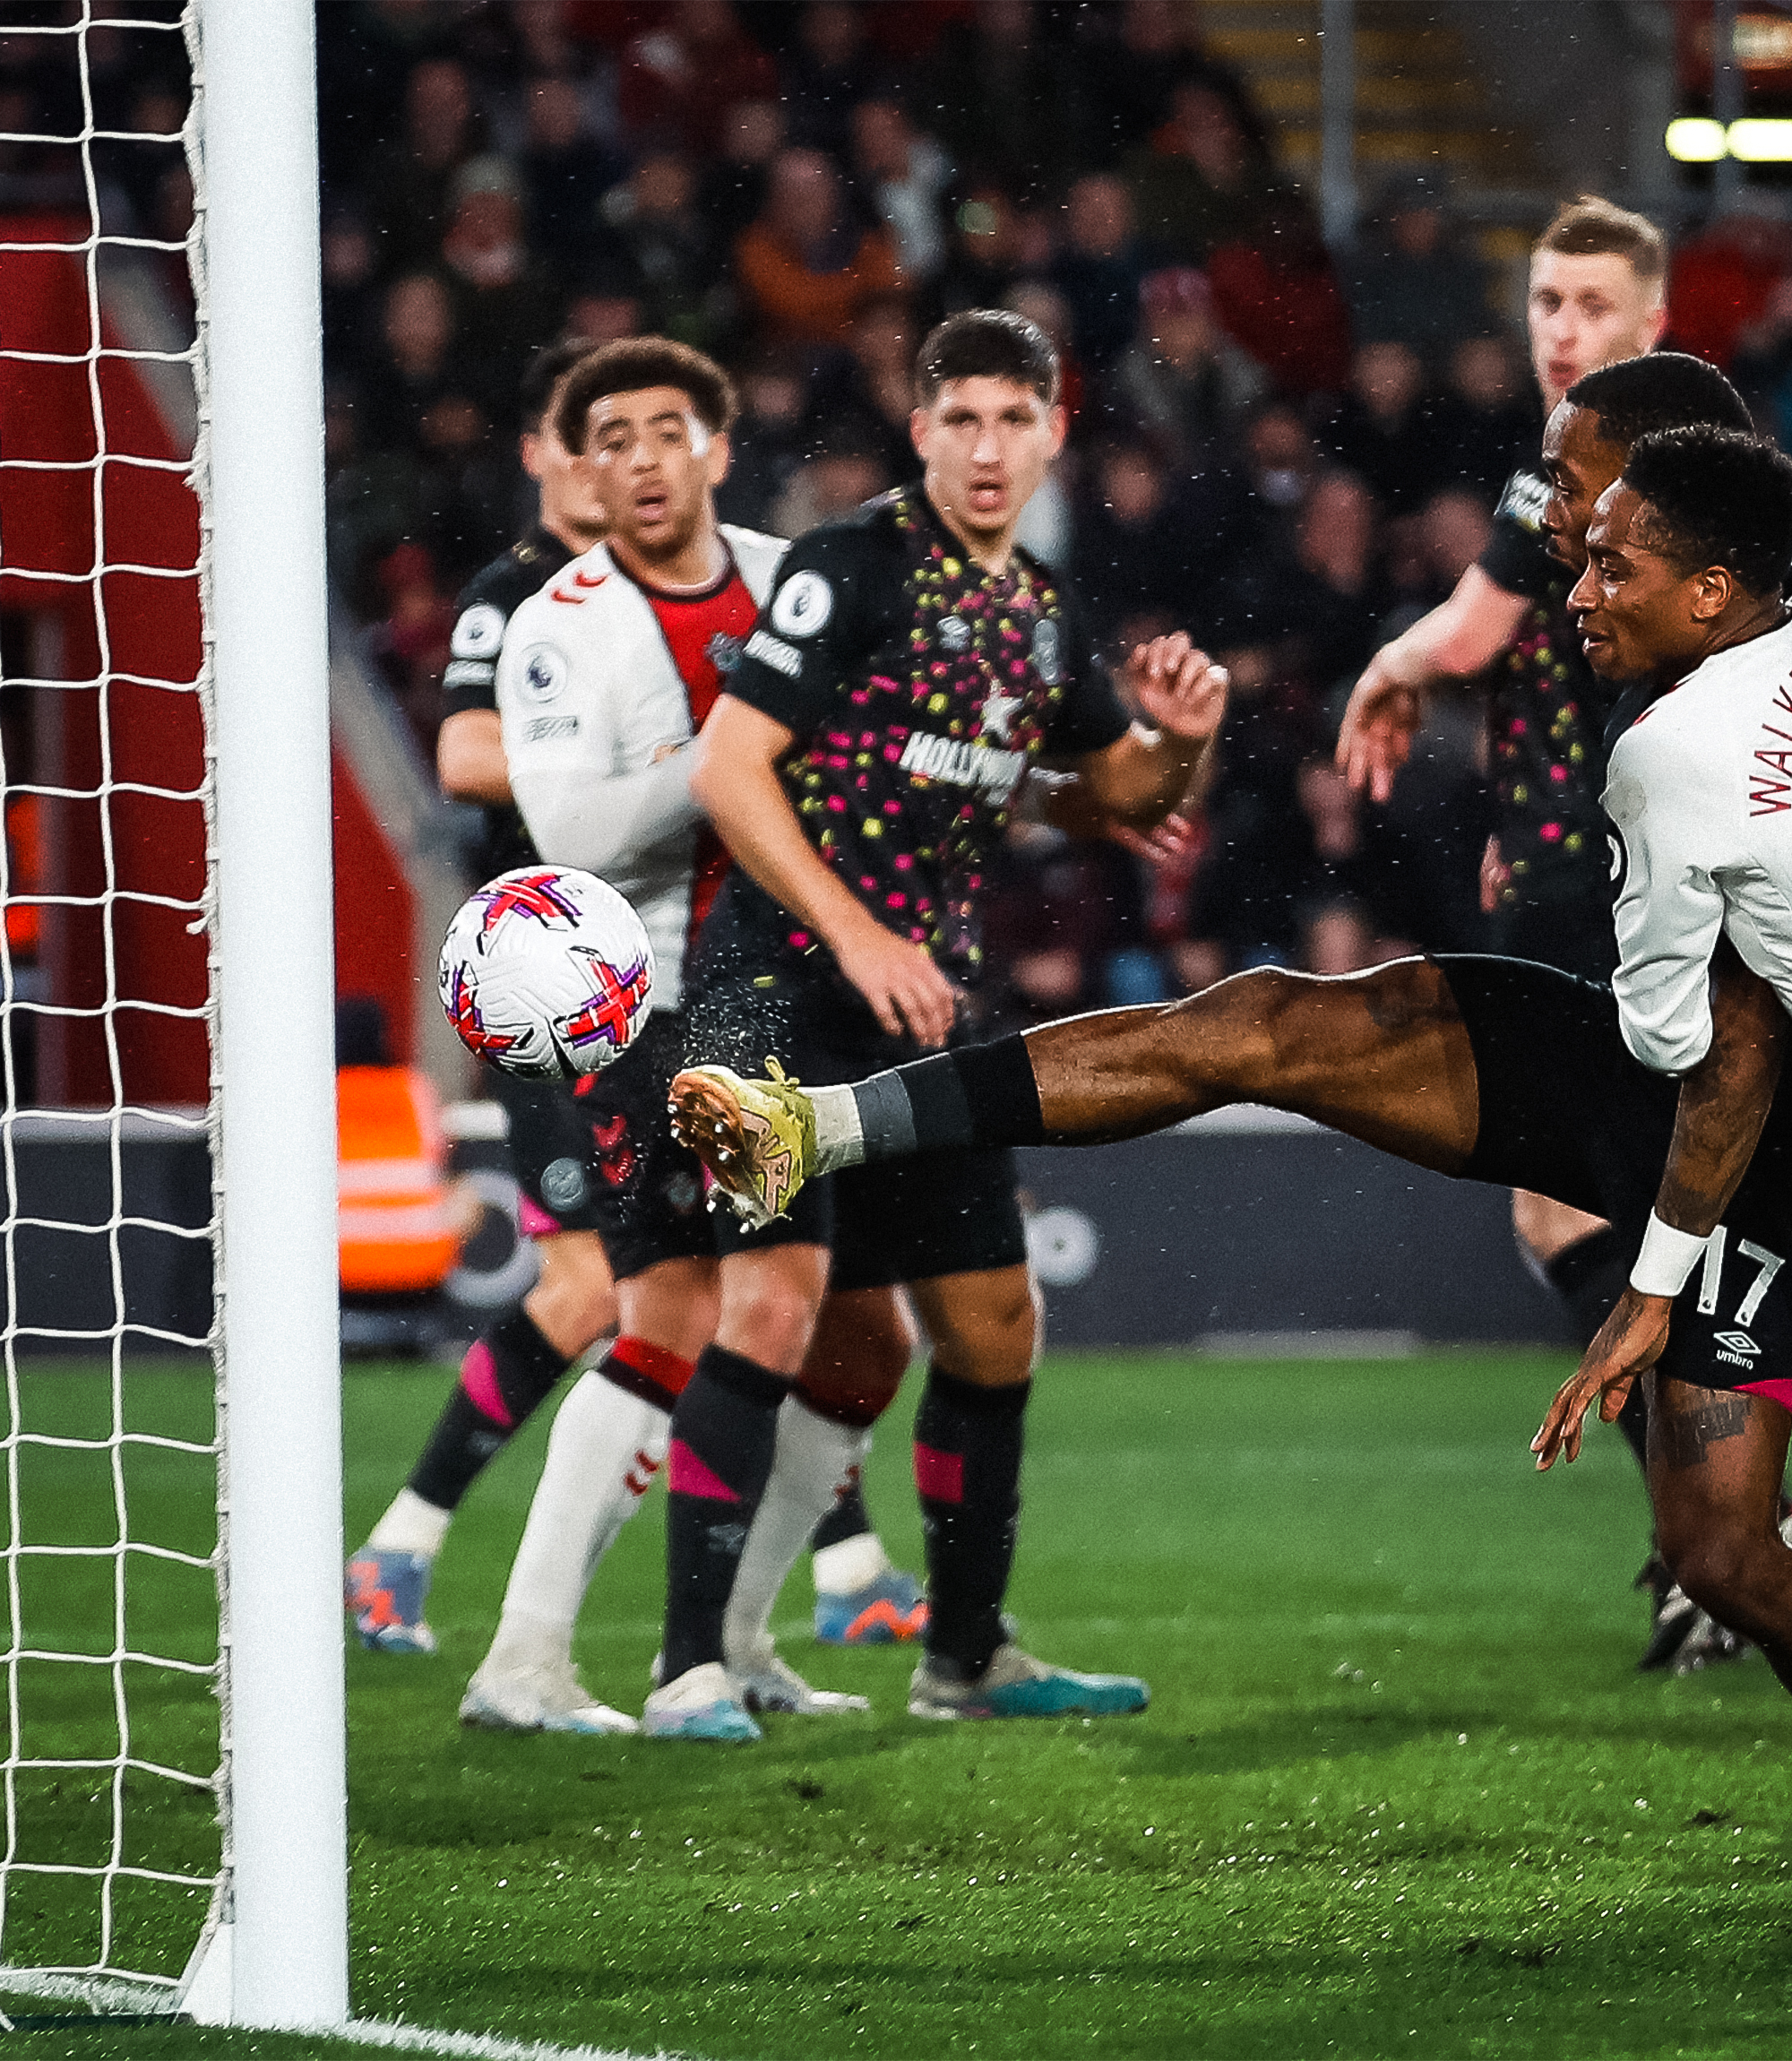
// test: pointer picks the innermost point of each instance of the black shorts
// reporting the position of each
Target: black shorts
(1565, 1111)
(1572, 932)
(598, 1155)
(949, 1213)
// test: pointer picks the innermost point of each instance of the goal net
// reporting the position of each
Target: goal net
(124, 1745)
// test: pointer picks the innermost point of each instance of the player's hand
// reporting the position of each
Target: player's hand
(1375, 740)
(1170, 843)
(1630, 1340)
(906, 990)
(1494, 875)
(1179, 689)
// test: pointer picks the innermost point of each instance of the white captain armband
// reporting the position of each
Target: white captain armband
(1664, 1264)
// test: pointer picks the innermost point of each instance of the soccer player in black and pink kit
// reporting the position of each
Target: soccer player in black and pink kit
(912, 665)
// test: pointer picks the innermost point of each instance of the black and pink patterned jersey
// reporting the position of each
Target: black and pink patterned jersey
(1546, 720)
(920, 687)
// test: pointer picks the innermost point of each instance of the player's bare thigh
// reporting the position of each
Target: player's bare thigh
(1383, 1055)
(1546, 1227)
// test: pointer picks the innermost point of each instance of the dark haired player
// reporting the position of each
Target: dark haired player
(1596, 295)
(605, 681)
(912, 665)
(1435, 1061)
(511, 1367)
(1585, 443)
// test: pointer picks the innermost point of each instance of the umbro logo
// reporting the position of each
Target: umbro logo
(1737, 1341)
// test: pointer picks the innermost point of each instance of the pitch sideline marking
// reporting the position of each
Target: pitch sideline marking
(152, 1999)
(477, 2046)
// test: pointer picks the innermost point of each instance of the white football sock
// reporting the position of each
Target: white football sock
(411, 1525)
(812, 1461)
(852, 1564)
(839, 1137)
(604, 1451)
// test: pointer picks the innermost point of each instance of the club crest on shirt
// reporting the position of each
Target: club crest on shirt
(955, 633)
(563, 1185)
(724, 653)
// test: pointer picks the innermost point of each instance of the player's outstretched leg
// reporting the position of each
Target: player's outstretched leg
(508, 1372)
(1716, 1460)
(1383, 1055)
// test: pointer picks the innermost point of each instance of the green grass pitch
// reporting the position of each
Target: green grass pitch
(1399, 1791)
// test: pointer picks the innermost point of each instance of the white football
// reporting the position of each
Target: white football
(547, 973)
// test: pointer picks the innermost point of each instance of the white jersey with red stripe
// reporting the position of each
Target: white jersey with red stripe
(602, 687)
(1699, 790)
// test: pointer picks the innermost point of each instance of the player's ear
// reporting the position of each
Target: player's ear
(1654, 323)
(1059, 419)
(1713, 590)
(529, 453)
(918, 420)
(719, 458)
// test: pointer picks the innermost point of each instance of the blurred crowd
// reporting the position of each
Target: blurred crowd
(1290, 451)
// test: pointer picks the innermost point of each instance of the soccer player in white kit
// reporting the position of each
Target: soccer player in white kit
(1437, 1060)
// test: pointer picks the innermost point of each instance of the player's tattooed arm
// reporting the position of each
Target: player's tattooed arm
(1725, 1098)
(1723, 1107)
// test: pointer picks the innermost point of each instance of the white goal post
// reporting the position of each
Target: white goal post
(166, 986)
(261, 483)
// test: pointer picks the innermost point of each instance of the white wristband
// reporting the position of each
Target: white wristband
(1664, 1264)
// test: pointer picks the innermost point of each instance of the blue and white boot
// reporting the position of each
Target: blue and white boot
(701, 1705)
(1014, 1684)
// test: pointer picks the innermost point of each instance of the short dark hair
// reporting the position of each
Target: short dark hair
(1667, 390)
(987, 343)
(1724, 499)
(1590, 227)
(635, 362)
(542, 374)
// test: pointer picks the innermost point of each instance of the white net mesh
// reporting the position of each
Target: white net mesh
(112, 1792)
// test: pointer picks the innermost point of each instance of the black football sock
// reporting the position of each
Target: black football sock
(849, 1518)
(967, 1442)
(954, 1102)
(724, 1431)
(507, 1375)
(1590, 1276)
